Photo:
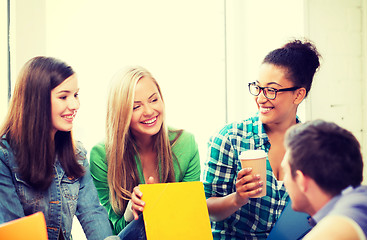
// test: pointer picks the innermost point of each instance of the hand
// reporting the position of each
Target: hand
(138, 204)
(247, 185)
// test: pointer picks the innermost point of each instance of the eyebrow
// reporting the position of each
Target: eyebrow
(270, 83)
(67, 91)
(148, 97)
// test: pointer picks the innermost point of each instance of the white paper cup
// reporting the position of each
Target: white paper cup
(255, 159)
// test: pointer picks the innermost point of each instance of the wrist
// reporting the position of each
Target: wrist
(239, 201)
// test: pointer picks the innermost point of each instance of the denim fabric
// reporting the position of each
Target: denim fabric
(65, 198)
(135, 230)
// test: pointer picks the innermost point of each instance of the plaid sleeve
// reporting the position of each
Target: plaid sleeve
(219, 172)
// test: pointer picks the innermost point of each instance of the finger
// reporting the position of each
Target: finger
(247, 179)
(249, 187)
(136, 202)
(137, 192)
(244, 172)
(136, 215)
(137, 205)
(254, 192)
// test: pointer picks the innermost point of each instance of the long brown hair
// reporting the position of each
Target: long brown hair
(28, 125)
(121, 147)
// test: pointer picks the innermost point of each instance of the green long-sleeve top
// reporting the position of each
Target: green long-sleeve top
(186, 151)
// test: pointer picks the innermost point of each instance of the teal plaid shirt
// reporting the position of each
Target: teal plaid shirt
(255, 219)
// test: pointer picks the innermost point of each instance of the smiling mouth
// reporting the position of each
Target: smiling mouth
(150, 121)
(69, 117)
(265, 109)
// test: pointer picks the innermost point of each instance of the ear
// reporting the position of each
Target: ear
(302, 181)
(300, 95)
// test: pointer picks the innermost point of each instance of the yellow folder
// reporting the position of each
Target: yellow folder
(175, 211)
(28, 227)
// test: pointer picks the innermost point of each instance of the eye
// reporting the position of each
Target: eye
(272, 90)
(63, 97)
(154, 99)
(76, 95)
(136, 107)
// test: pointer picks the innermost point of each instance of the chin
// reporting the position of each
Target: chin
(150, 132)
(65, 129)
(264, 119)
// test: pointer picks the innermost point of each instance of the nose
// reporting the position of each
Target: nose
(148, 110)
(74, 104)
(261, 97)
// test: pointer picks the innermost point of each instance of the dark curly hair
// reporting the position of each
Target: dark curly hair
(299, 58)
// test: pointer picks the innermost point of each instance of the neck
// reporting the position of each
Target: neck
(279, 128)
(145, 144)
(318, 199)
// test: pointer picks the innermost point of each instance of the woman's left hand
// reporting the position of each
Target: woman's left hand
(138, 204)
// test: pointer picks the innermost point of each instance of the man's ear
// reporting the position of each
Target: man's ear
(300, 95)
(302, 181)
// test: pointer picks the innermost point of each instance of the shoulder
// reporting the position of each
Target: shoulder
(80, 149)
(352, 200)
(98, 161)
(98, 151)
(353, 204)
(336, 227)
(182, 141)
(180, 134)
(241, 129)
(81, 153)
(358, 193)
(6, 153)
(99, 147)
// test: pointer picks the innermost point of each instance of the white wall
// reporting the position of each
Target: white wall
(339, 91)
(255, 28)
(364, 85)
(3, 59)
(181, 43)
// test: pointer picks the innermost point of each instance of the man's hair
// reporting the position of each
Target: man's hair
(327, 153)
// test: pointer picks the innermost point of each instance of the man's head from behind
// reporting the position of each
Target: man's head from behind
(324, 152)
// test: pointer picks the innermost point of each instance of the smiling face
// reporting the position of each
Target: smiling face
(284, 106)
(64, 104)
(148, 109)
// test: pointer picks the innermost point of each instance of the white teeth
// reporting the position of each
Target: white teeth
(69, 116)
(265, 109)
(150, 121)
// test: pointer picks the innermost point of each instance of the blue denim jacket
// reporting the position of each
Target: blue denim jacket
(65, 198)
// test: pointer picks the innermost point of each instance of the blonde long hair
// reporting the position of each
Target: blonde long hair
(121, 148)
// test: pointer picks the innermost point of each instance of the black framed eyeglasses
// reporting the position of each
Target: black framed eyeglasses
(269, 92)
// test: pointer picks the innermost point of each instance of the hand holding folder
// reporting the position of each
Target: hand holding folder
(176, 211)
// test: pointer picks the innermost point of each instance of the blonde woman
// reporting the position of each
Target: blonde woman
(138, 148)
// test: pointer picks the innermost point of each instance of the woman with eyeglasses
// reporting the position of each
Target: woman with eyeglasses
(285, 78)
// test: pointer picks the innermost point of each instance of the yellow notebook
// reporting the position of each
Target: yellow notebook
(175, 211)
(29, 227)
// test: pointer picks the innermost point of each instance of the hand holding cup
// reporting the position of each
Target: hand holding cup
(256, 160)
